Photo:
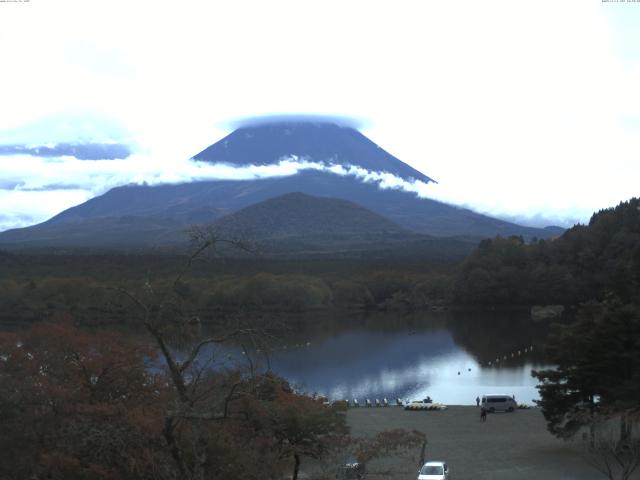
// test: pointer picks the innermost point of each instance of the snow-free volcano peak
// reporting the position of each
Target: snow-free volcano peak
(321, 140)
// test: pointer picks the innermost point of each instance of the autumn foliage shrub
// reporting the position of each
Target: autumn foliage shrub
(86, 405)
(76, 405)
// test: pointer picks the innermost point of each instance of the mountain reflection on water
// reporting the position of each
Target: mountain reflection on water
(444, 356)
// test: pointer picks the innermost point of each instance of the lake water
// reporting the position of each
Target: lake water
(451, 357)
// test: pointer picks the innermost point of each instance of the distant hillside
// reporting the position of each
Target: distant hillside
(588, 262)
(299, 215)
(300, 225)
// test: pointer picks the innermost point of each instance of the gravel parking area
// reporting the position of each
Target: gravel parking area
(506, 446)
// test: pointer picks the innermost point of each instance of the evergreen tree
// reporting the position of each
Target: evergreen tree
(598, 368)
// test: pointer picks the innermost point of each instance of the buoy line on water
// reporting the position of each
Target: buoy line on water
(505, 357)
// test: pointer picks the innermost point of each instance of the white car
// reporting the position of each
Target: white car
(434, 471)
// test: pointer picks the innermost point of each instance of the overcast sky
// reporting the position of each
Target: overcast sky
(527, 109)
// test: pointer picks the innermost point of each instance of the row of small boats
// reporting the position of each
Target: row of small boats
(425, 404)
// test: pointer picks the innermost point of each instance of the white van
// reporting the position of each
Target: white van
(499, 403)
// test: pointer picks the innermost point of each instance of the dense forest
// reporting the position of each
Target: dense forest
(33, 287)
(588, 262)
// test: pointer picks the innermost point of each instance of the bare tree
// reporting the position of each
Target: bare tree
(612, 445)
(198, 399)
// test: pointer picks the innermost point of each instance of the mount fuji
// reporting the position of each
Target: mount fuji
(337, 162)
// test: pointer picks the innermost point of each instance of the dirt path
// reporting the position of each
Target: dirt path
(514, 446)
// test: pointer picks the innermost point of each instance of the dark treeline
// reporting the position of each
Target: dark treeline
(588, 262)
(35, 286)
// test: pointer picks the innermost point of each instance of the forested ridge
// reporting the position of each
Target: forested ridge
(588, 262)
